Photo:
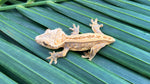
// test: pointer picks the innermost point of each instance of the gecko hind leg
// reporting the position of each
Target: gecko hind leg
(95, 26)
(55, 55)
(93, 51)
(86, 55)
(75, 30)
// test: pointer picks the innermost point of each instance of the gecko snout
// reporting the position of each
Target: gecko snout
(40, 38)
(37, 39)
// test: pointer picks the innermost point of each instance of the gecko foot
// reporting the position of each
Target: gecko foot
(75, 29)
(95, 26)
(86, 55)
(53, 57)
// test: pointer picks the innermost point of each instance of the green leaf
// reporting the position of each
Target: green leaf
(21, 20)
(30, 1)
(147, 2)
(85, 77)
(119, 13)
(118, 53)
(120, 70)
(125, 61)
(130, 5)
(132, 35)
(5, 79)
(2, 2)
(70, 60)
(23, 63)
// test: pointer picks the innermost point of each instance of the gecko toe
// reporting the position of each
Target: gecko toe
(90, 59)
(85, 56)
(51, 61)
(55, 61)
(49, 57)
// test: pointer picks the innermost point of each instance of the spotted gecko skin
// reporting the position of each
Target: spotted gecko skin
(54, 39)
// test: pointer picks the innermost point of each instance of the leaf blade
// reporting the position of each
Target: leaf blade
(89, 71)
(6, 80)
(35, 65)
(130, 5)
(121, 14)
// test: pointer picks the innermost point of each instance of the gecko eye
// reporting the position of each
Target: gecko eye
(45, 43)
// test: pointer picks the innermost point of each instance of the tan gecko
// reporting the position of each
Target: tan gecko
(56, 38)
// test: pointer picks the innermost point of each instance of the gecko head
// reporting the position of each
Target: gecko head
(48, 37)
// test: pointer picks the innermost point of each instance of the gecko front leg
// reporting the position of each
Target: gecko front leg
(75, 30)
(55, 55)
(95, 26)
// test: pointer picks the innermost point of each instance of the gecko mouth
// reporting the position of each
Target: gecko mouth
(45, 44)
